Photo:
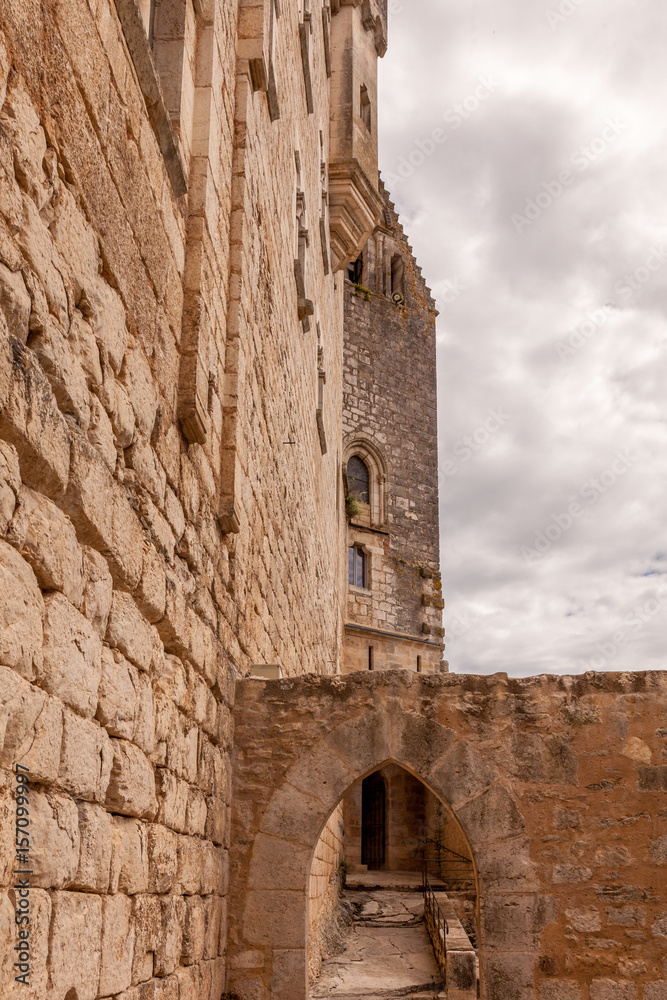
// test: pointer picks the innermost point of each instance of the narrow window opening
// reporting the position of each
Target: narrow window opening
(357, 567)
(365, 107)
(370, 657)
(358, 479)
(419, 664)
(355, 270)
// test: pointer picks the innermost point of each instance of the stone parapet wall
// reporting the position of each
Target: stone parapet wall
(162, 469)
(327, 877)
(559, 785)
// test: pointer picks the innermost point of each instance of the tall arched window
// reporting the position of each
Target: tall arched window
(358, 479)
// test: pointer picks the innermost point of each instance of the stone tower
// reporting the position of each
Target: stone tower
(394, 603)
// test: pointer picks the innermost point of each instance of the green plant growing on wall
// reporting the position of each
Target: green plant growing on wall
(353, 506)
(362, 292)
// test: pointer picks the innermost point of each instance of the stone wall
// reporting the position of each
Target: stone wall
(390, 402)
(327, 877)
(170, 502)
(559, 786)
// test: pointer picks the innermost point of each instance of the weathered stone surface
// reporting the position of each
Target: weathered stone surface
(65, 374)
(147, 923)
(31, 421)
(170, 945)
(657, 851)
(75, 944)
(21, 614)
(194, 930)
(85, 763)
(40, 920)
(128, 632)
(31, 728)
(98, 590)
(55, 839)
(95, 831)
(10, 482)
(129, 862)
(162, 858)
(656, 991)
(131, 789)
(72, 656)
(560, 989)
(609, 989)
(117, 696)
(47, 540)
(151, 594)
(15, 302)
(117, 945)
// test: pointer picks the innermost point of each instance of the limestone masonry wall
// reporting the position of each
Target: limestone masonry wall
(390, 422)
(559, 784)
(169, 512)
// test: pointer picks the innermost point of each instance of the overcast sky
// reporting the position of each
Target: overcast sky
(525, 146)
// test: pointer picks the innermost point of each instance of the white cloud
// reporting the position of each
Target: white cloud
(508, 299)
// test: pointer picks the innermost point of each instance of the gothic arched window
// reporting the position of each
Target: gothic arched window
(358, 479)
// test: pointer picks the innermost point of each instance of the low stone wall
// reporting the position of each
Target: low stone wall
(559, 784)
(327, 878)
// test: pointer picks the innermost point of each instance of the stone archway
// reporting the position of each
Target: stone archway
(301, 745)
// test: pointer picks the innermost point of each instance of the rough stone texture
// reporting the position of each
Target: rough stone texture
(169, 518)
(389, 357)
(465, 738)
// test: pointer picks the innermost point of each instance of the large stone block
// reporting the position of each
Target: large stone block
(194, 930)
(98, 590)
(147, 923)
(117, 945)
(656, 991)
(131, 790)
(65, 374)
(85, 763)
(10, 482)
(31, 421)
(72, 656)
(189, 865)
(162, 858)
(173, 800)
(47, 540)
(75, 944)
(102, 515)
(129, 861)
(96, 845)
(560, 989)
(54, 838)
(21, 614)
(117, 695)
(151, 593)
(170, 945)
(128, 632)
(40, 920)
(30, 727)
(138, 380)
(609, 989)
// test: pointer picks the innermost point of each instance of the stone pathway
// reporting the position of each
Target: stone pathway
(388, 954)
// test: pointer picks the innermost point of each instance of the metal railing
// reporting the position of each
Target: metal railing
(436, 924)
(454, 870)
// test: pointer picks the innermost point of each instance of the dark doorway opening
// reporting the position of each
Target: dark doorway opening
(373, 811)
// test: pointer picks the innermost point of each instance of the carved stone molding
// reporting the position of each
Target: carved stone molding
(354, 210)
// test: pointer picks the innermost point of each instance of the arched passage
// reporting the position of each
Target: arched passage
(290, 780)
